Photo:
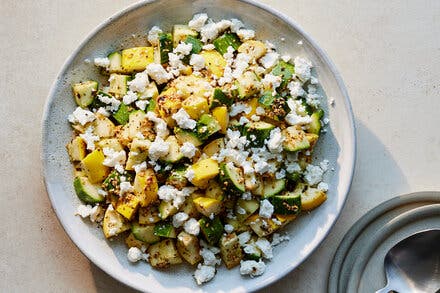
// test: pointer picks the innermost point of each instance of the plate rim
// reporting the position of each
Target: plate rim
(351, 156)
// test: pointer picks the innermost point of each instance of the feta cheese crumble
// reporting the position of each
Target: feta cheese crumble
(184, 120)
(204, 274)
(252, 268)
(179, 219)
(134, 254)
(266, 209)
(102, 62)
(188, 149)
(81, 116)
(153, 35)
(158, 73)
(192, 227)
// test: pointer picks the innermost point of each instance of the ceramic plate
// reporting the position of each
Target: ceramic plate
(337, 144)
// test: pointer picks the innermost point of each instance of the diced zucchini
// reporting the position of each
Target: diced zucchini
(166, 209)
(86, 191)
(113, 223)
(238, 226)
(203, 171)
(112, 181)
(177, 178)
(168, 103)
(131, 241)
(196, 44)
(118, 85)
(221, 114)
(93, 167)
(249, 206)
(174, 155)
(215, 63)
(232, 178)
(311, 197)
(230, 250)
(285, 70)
(273, 187)
(138, 152)
(103, 127)
(219, 98)
(136, 59)
(208, 206)
(84, 92)
(144, 233)
(127, 205)
(115, 59)
(261, 130)
(151, 106)
(149, 215)
(165, 229)
(295, 139)
(312, 138)
(165, 46)
(262, 226)
(247, 85)
(189, 247)
(122, 114)
(111, 143)
(214, 190)
(145, 187)
(207, 126)
(266, 100)
(184, 135)
(315, 125)
(255, 49)
(214, 147)
(164, 254)
(189, 207)
(228, 39)
(195, 106)
(212, 230)
(181, 32)
(286, 204)
(76, 149)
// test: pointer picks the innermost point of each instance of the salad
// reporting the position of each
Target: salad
(198, 147)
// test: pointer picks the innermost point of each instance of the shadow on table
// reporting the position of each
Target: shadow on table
(104, 283)
(369, 188)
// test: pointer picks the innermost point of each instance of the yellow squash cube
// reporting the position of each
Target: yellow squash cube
(76, 149)
(93, 167)
(204, 170)
(146, 187)
(214, 62)
(127, 205)
(253, 103)
(208, 206)
(136, 59)
(195, 106)
(222, 116)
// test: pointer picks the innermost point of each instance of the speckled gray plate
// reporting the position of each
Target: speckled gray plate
(358, 263)
(337, 145)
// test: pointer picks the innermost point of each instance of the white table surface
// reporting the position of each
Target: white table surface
(388, 53)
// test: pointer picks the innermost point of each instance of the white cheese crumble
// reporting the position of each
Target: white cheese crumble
(269, 59)
(125, 187)
(266, 209)
(208, 47)
(192, 227)
(275, 141)
(158, 148)
(158, 73)
(197, 61)
(252, 268)
(265, 246)
(188, 149)
(81, 116)
(134, 254)
(89, 138)
(295, 89)
(236, 24)
(139, 83)
(198, 21)
(153, 35)
(102, 62)
(142, 104)
(313, 174)
(303, 68)
(286, 58)
(277, 239)
(113, 157)
(204, 274)
(245, 34)
(140, 167)
(189, 174)
(84, 211)
(271, 81)
(322, 186)
(209, 258)
(160, 126)
(183, 49)
(244, 237)
(184, 120)
(179, 219)
(229, 228)
(238, 108)
(129, 97)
